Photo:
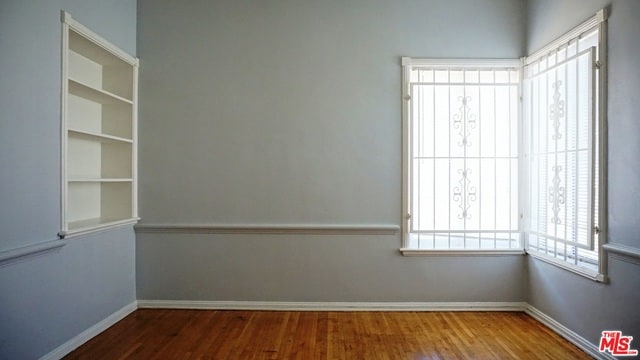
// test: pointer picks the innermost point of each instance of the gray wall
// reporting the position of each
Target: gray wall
(278, 112)
(288, 112)
(584, 306)
(49, 298)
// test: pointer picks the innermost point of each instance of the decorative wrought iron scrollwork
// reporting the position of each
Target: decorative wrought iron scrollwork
(465, 121)
(464, 194)
(556, 110)
(556, 194)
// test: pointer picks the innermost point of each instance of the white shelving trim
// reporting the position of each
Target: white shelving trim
(99, 132)
(104, 51)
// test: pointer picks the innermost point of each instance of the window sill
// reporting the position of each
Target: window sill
(592, 275)
(463, 252)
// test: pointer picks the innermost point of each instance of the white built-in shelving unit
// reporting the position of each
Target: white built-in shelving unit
(99, 132)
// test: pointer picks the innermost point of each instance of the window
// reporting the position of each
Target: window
(563, 92)
(503, 156)
(462, 154)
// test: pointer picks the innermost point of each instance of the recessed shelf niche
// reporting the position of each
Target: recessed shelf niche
(99, 114)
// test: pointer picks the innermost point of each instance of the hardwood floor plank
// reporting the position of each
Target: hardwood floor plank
(204, 334)
(225, 345)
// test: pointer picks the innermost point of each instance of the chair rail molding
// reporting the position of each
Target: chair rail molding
(294, 229)
(622, 249)
(12, 254)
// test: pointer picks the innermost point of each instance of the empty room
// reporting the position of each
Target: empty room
(276, 179)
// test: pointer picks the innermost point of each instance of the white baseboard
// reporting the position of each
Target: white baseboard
(83, 337)
(545, 319)
(567, 333)
(332, 306)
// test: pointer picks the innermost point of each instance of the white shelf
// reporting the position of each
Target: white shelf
(97, 223)
(100, 180)
(90, 136)
(88, 92)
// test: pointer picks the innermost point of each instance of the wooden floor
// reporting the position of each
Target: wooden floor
(208, 334)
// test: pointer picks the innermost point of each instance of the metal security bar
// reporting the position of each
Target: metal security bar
(463, 155)
(562, 115)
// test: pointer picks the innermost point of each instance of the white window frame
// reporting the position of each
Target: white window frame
(408, 64)
(599, 21)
